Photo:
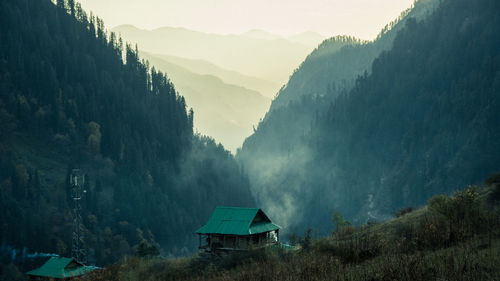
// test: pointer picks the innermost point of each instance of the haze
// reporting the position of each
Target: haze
(360, 18)
(219, 58)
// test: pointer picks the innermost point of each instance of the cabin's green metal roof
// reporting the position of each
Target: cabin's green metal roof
(260, 227)
(57, 267)
(236, 221)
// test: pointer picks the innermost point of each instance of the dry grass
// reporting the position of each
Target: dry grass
(451, 240)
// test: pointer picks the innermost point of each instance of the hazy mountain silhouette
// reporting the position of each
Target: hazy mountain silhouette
(260, 34)
(308, 38)
(224, 111)
(264, 87)
(238, 60)
(272, 60)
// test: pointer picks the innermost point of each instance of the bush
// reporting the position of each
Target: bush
(147, 249)
(464, 206)
(403, 211)
(494, 196)
(433, 232)
(493, 179)
(463, 213)
(358, 247)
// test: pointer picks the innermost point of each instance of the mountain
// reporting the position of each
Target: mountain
(228, 120)
(329, 71)
(422, 121)
(271, 60)
(224, 111)
(307, 38)
(335, 64)
(260, 34)
(72, 96)
(264, 87)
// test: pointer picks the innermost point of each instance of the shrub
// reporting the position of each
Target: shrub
(358, 247)
(465, 205)
(432, 232)
(463, 213)
(494, 196)
(493, 179)
(147, 249)
(403, 211)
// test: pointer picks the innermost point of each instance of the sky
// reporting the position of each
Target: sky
(360, 18)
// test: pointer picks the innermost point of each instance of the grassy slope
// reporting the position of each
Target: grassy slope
(385, 251)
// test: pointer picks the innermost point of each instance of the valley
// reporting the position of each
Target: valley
(347, 159)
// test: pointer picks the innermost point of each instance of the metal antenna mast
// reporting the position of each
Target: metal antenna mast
(78, 248)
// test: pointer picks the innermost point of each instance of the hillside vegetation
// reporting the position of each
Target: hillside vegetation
(73, 96)
(452, 238)
(421, 122)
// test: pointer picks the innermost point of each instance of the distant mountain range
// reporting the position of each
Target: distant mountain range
(307, 38)
(224, 111)
(255, 53)
(203, 67)
(227, 79)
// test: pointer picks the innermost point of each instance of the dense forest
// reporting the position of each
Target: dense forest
(73, 95)
(422, 120)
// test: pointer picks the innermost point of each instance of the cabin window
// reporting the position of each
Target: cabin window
(272, 237)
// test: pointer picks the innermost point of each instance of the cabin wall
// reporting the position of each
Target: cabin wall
(237, 242)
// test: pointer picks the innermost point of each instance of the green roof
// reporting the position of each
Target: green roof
(237, 221)
(58, 267)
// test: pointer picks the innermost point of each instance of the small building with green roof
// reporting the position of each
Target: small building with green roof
(58, 268)
(233, 228)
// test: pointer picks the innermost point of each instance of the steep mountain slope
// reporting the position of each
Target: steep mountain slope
(264, 87)
(266, 59)
(425, 121)
(223, 111)
(422, 122)
(68, 100)
(335, 64)
(328, 71)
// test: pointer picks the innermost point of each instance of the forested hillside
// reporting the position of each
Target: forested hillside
(74, 96)
(335, 64)
(423, 121)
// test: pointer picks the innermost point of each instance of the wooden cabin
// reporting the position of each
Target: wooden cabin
(231, 228)
(58, 268)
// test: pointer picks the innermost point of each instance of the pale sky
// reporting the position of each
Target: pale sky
(361, 18)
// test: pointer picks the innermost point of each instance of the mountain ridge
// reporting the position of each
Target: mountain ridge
(388, 140)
